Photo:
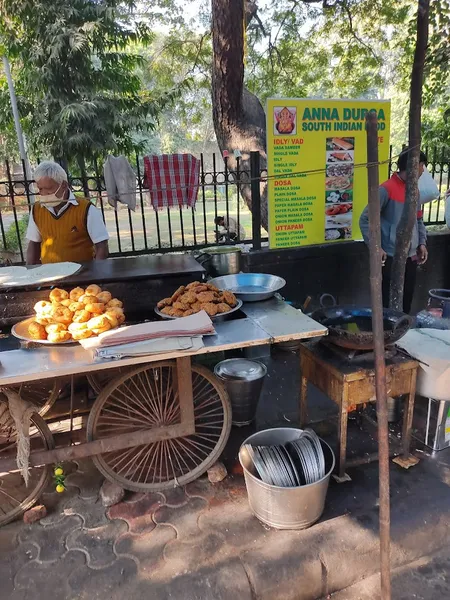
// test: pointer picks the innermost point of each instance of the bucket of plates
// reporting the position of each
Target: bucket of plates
(287, 472)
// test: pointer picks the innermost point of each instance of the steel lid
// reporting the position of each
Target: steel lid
(240, 369)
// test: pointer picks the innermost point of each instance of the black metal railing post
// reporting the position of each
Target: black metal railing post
(255, 178)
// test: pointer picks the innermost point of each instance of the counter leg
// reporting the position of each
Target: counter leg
(342, 440)
(408, 417)
(303, 402)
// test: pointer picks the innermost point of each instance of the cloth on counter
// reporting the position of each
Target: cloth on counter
(172, 179)
(432, 348)
(198, 324)
(120, 182)
(158, 346)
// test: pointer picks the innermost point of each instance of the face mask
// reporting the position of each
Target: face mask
(51, 199)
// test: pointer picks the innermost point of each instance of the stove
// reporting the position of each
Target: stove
(359, 357)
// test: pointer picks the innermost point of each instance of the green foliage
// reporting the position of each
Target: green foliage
(75, 67)
(12, 241)
(94, 76)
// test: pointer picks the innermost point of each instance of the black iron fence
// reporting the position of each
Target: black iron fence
(146, 230)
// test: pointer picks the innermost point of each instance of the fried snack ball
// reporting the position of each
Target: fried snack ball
(114, 303)
(97, 308)
(81, 316)
(118, 313)
(196, 306)
(76, 306)
(212, 287)
(43, 320)
(229, 298)
(60, 336)
(188, 312)
(177, 313)
(199, 288)
(93, 290)
(210, 308)
(112, 318)
(77, 327)
(164, 302)
(193, 284)
(167, 310)
(43, 307)
(188, 298)
(66, 302)
(88, 299)
(99, 324)
(76, 294)
(55, 328)
(204, 297)
(180, 305)
(82, 335)
(104, 297)
(58, 295)
(37, 331)
(178, 293)
(61, 314)
(79, 331)
(223, 308)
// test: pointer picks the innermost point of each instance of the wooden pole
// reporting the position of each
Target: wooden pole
(380, 365)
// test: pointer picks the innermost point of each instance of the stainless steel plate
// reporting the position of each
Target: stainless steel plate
(250, 287)
(220, 317)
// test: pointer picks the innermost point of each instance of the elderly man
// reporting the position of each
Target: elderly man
(62, 227)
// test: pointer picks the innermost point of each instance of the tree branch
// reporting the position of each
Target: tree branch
(346, 7)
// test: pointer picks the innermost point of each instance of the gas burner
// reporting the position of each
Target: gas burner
(359, 356)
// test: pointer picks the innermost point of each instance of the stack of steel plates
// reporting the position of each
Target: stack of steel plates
(300, 462)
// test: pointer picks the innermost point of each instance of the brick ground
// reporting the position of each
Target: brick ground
(201, 542)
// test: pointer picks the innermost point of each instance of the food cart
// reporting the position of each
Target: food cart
(158, 421)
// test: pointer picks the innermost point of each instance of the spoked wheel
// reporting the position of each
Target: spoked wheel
(98, 381)
(42, 394)
(15, 496)
(146, 398)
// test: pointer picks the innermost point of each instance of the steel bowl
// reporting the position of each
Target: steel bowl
(216, 318)
(250, 287)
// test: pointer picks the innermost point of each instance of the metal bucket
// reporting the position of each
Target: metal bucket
(243, 380)
(221, 260)
(284, 507)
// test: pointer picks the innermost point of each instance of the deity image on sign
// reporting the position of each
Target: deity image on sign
(284, 120)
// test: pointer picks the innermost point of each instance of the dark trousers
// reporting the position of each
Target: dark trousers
(410, 282)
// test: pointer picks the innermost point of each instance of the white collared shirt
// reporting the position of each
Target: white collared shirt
(95, 226)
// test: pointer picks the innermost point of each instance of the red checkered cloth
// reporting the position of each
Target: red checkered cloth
(172, 180)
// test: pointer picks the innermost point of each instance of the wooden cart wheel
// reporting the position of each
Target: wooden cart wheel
(146, 397)
(42, 394)
(98, 381)
(15, 496)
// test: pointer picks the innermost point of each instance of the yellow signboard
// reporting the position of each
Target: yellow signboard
(317, 155)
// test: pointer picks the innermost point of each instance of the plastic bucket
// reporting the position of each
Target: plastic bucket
(284, 507)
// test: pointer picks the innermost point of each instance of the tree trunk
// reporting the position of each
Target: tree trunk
(409, 214)
(239, 118)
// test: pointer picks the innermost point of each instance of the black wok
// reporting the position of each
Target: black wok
(351, 326)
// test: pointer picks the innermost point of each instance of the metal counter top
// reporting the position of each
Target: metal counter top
(266, 322)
